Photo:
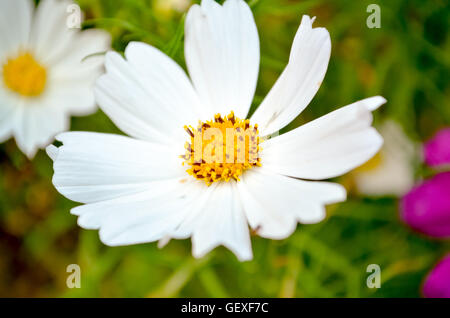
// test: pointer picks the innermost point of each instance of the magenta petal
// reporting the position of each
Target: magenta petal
(437, 150)
(426, 208)
(437, 283)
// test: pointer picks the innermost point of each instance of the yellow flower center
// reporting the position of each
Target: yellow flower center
(24, 75)
(221, 149)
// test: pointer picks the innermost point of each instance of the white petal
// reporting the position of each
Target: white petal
(299, 81)
(8, 115)
(222, 222)
(50, 34)
(72, 97)
(166, 81)
(34, 122)
(52, 152)
(72, 75)
(188, 225)
(49, 26)
(147, 104)
(274, 203)
(68, 53)
(222, 55)
(36, 125)
(164, 241)
(92, 167)
(81, 58)
(15, 22)
(328, 146)
(373, 103)
(142, 217)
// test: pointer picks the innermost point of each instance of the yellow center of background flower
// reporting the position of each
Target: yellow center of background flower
(371, 165)
(222, 149)
(24, 75)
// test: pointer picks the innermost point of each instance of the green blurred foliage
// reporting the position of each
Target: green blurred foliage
(406, 60)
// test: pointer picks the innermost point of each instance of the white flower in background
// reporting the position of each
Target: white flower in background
(136, 189)
(391, 171)
(177, 5)
(43, 78)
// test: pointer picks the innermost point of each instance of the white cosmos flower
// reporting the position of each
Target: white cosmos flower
(135, 189)
(43, 78)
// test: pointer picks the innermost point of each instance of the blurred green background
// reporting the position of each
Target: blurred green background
(407, 61)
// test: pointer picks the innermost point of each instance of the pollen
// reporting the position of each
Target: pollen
(24, 75)
(221, 149)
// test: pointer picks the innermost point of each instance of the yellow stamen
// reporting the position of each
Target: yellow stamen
(24, 75)
(222, 149)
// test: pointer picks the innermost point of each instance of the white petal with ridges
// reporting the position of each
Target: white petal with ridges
(300, 80)
(222, 55)
(222, 222)
(142, 217)
(167, 81)
(274, 203)
(144, 102)
(328, 146)
(92, 167)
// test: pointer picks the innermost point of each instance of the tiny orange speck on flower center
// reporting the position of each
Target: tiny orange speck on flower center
(221, 149)
(24, 75)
